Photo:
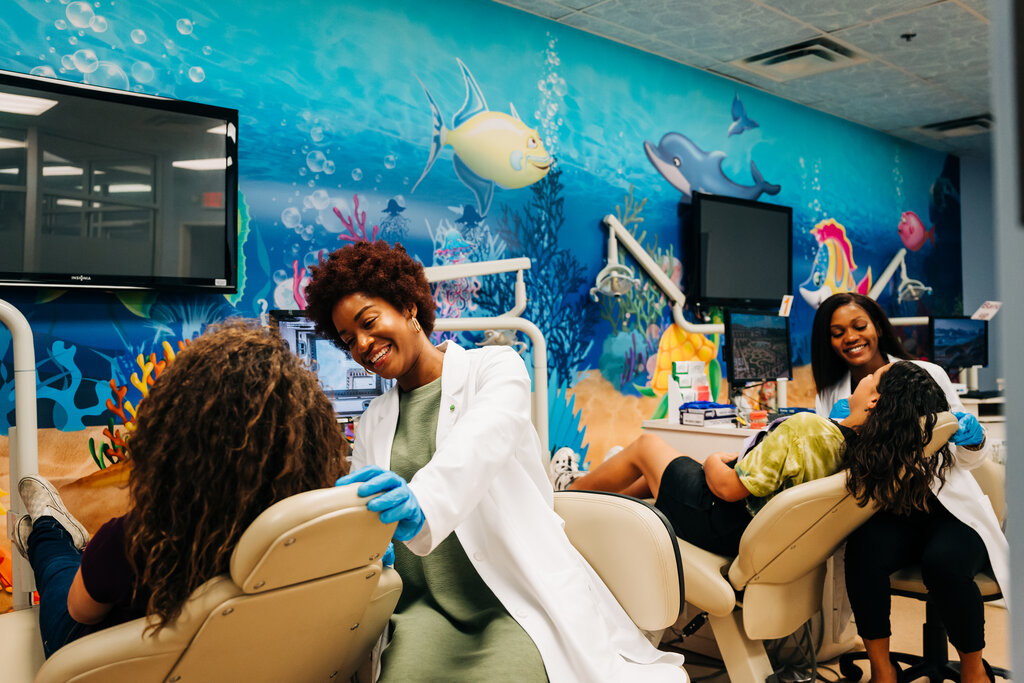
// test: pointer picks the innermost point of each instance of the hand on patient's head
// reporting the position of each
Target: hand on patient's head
(396, 504)
(970, 432)
(841, 410)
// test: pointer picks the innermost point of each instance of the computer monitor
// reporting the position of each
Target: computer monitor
(756, 346)
(958, 342)
(348, 386)
(737, 253)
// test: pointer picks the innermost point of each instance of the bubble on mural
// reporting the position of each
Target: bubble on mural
(138, 36)
(390, 161)
(196, 74)
(108, 75)
(315, 161)
(79, 14)
(85, 61)
(316, 133)
(329, 167)
(291, 217)
(357, 174)
(280, 275)
(44, 71)
(319, 199)
(143, 72)
(98, 24)
(184, 26)
(60, 24)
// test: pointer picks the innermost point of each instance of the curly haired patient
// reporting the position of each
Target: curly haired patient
(234, 425)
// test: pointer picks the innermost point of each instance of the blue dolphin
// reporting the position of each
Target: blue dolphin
(690, 169)
(740, 120)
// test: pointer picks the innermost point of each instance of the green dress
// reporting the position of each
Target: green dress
(448, 625)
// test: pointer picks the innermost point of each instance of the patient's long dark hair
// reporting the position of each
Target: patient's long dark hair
(886, 464)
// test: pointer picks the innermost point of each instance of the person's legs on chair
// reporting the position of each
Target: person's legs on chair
(953, 554)
(635, 470)
(55, 560)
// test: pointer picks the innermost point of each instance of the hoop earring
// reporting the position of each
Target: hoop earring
(415, 324)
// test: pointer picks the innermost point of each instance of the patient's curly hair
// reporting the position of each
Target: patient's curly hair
(886, 463)
(374, 269)
(235, 424)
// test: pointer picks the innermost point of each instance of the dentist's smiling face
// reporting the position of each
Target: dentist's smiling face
(379, 336)
(854, 337)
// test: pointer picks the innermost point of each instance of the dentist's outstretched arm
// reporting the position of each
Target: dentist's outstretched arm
(396, 504)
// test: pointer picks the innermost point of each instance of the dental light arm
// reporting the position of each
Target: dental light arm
(616, 233)
(900, 261)
(23, 440)
(507, 321)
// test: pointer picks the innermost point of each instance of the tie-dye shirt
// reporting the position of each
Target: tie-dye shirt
(801, 448)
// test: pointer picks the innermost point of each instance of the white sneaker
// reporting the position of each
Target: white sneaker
(564, 468)
(42, 500)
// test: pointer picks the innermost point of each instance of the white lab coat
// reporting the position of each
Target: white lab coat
(486, 482)
(961, 494)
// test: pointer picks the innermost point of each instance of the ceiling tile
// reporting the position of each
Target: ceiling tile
(604, 28)
(979, 6)
(831, 16)
(723, 30)
(949, 39)
(544, 8)
(973, 84)
(577, 4)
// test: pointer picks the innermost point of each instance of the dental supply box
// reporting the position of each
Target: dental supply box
(708, 417)
(688, 383)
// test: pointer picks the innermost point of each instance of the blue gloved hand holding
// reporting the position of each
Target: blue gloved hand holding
(397, 504)
(389, 556)
(841, 410)
(970, 432)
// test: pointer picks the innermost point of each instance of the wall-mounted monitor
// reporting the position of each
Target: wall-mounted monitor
(958, 342)
(756, 348)
(737, 252)
(348, 386)
(105, 188)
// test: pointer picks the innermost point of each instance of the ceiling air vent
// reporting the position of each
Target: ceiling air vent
(970, 125)
(802, 59)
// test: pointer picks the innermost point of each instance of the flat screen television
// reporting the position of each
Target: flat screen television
(105, 188)
(757, 347)
(958, 342)
(737, 252)
(348, 386)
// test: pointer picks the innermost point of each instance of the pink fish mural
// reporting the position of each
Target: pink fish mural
(912, 231)
(833, 266)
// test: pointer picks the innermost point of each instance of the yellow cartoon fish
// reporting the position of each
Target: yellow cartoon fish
(833, 266)
(491, 148)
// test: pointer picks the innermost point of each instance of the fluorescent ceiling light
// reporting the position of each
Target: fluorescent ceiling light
(77, 203)
(215, 164)
(7, 143)
(61, 170)
(129, 187)
(20, 104)
(9, 171)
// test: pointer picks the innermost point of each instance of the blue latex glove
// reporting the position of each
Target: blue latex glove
(970, 432)
(397, 504)
(841, 410)
(389, 556)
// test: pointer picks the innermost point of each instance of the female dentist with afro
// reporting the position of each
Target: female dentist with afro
(493, 590)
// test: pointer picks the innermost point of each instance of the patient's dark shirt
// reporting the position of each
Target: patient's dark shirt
(108, 577)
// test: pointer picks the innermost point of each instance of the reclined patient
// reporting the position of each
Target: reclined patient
(710, 505)
(232, 426)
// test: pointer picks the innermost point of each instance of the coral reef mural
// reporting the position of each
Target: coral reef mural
(338, 140)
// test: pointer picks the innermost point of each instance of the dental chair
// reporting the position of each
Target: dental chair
(305, 600)
(933, 662)
(775, 583)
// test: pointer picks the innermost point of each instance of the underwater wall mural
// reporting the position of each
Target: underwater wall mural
(407, 122)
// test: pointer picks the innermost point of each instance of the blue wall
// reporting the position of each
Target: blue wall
(331, 113)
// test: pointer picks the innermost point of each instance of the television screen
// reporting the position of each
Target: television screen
(104, 188)
(756, 347)
(958, 342)
(348, 386)
(738, 252)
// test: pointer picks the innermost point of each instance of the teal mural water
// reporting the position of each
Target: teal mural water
(343, 104)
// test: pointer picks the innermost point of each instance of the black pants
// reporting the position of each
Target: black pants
(950, 554)
(697, 515)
